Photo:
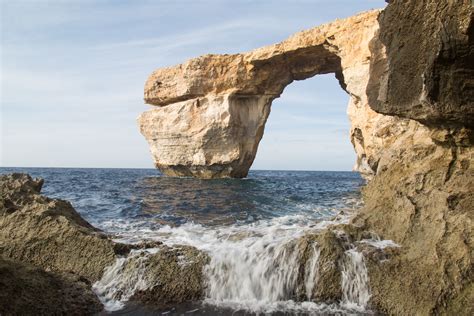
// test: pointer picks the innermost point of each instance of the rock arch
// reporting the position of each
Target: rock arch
(211, 111)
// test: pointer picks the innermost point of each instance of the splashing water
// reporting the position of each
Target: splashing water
(122, 279)
(249, 228)
(254, 276)
(355, 281)
(312, 272)
(253, 267)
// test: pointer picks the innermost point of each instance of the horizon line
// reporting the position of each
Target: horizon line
(144, 168)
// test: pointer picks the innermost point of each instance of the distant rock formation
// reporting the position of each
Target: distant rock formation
(211, 111)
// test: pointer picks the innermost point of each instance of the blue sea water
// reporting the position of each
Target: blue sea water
(144, 195)
(269, 209)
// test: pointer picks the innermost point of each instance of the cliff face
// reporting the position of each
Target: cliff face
(211, 111)
(422, 199)
(423, 62)
(422, 194)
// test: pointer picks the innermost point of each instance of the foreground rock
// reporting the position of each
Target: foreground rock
(28, 290)
(49, 233)
(39, 234)
(175, 274)
(159, 276)
(422, 196)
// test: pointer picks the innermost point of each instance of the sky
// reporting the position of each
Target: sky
(72, 75)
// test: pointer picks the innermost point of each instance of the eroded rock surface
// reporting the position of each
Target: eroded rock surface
(423, 62)
(28, 290)
(49, 233)
(176, 274)
(422, 199)
(422, 194)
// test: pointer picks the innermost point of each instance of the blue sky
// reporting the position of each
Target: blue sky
(72, 75)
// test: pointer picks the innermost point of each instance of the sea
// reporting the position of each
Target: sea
(247, 275)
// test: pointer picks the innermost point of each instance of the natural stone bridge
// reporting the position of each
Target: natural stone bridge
(211, 111)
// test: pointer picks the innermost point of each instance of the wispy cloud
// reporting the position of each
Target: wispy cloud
(196, 36)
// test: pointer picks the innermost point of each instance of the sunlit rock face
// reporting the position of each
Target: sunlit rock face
(208, 137)
(211, 111)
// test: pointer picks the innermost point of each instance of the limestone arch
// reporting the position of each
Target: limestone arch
(211, 111)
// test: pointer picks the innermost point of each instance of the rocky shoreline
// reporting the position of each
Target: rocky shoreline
(408, 70)
(402, 278)
(45, 244)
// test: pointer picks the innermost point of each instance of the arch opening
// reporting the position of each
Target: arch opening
(308, 128)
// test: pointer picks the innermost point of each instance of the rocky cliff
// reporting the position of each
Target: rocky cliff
(422, 194)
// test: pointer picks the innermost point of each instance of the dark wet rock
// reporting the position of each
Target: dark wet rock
(47, 232)
(331, 244)
(28, 290)
(328, 288)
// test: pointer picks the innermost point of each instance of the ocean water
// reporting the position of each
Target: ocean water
(247, 226)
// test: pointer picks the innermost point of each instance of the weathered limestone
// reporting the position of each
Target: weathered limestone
(423, 62)
(422, 194)
(422, 199)
(49, 233)
(209, 137)
(213, 109)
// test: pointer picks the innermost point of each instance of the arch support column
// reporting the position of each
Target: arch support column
(208, 137)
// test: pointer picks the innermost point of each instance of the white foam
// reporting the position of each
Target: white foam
(116, 287)
(252, 267)
(312, 272)
(355, 281)
(380, 244)
(288, 306)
